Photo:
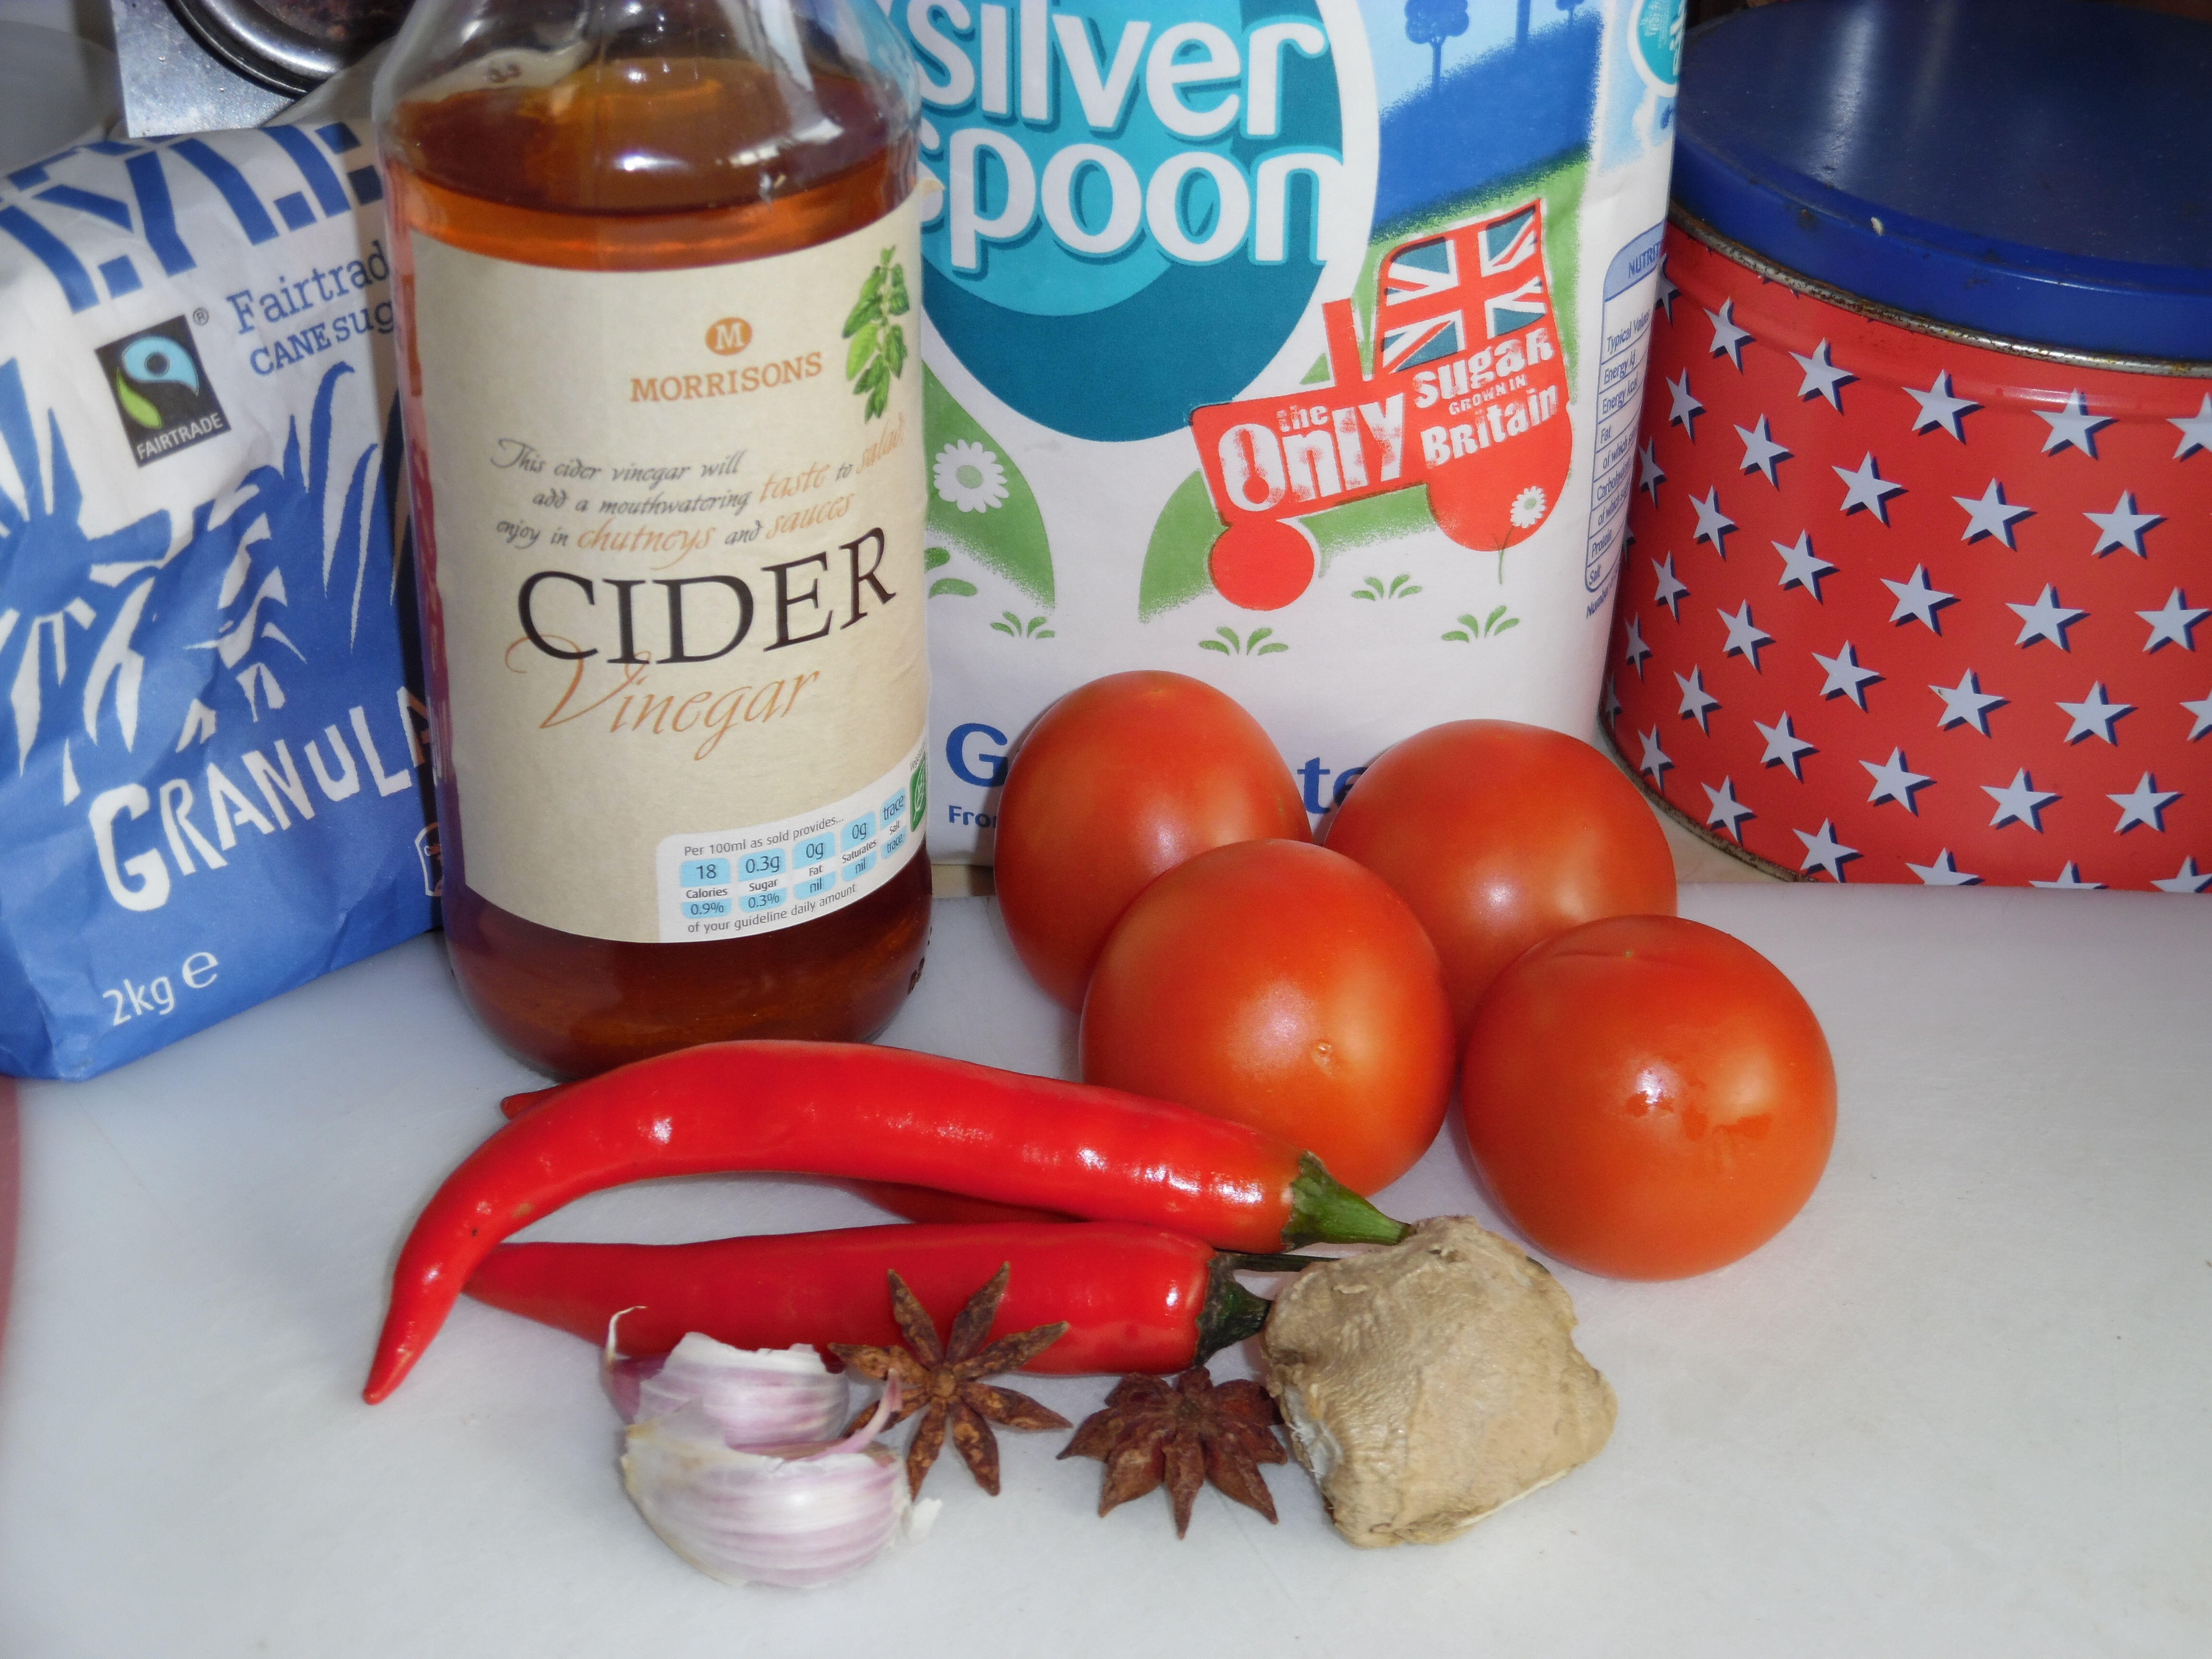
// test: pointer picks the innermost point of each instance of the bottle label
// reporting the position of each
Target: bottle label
(678, 563)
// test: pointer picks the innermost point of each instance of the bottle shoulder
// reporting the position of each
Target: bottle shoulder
(682, 106)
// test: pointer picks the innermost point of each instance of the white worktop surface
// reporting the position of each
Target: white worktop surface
(1962, 1406)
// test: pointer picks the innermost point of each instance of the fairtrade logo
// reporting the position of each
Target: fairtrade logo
(728, 337)
(162, 390)
(1155, 186)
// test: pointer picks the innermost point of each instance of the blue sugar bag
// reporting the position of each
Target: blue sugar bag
(213, 777)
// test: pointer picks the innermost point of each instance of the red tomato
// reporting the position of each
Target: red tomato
(1284, 986)
(1500, 835)
(1648, 1097)
(1118, 781)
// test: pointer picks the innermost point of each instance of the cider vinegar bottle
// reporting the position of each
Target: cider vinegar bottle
(659, 341)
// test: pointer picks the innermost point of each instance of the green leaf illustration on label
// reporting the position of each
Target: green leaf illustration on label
(1402, 587)
(1175, 559)
(1248, 644)
(936, 558)
(137, 407)
(980, 504)
(877, 355)
(1497, 622)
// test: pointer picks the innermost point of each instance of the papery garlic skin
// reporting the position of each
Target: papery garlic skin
(755, 1518)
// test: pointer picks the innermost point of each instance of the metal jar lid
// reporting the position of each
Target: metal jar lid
(2028, 168)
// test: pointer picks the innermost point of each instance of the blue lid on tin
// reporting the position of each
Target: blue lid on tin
(2035, 169)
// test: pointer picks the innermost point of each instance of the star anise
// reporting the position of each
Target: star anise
(944, 1383)
(1182, 1434)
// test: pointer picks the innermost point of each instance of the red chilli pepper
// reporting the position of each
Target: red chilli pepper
(862, 1112)
(1135, 1299)
(913, 1203)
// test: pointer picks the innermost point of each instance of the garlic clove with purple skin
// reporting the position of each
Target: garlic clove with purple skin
(756, 1396)
(754, 1517)
(798, 1510)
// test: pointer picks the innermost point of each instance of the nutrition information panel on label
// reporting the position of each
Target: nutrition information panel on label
(719, 884)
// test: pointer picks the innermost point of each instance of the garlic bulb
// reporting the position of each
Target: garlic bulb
(710, 1463)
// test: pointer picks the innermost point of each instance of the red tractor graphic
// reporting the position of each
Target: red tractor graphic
(1469, 397)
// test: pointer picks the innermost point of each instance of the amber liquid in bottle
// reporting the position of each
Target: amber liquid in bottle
(524, 174)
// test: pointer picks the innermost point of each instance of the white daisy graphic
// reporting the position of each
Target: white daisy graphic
(968, 477)
(1528, 508)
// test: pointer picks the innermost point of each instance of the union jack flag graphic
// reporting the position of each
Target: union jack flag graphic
(1453, 293)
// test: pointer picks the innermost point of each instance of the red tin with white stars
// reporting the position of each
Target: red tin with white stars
(1904, 604)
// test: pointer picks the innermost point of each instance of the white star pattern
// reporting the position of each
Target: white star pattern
(2172, 622)
(2094, 716)
(1802, 567)
(2019, 802)
(1822, 377)
(1784, 747)
(2122, 527)
(1846, 677)
(2073, 425)
(1824, 852)
(2069, 881)
(1938, 408)
(1943, 872)
(2046, 619)
(1687, 408)
(1967, 704)
(2145, 803)
(1744, 635)
(1726, 809)
(1760, 451)
(2183, 880)
(1713, 525)
(1697, 703)
(1727, 337)
(1916, 601)
(2195, 429)
(1636, 651)
(1894, 781)
(2062, 762)
(1991, 515)
(1867, 489)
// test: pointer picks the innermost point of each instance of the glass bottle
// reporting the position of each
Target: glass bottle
(665, 454)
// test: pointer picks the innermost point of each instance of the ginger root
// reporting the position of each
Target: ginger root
(1431, 1383)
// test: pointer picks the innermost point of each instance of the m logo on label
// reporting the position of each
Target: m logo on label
(730, 335)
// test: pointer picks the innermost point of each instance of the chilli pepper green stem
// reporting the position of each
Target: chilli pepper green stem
(859, 1112)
